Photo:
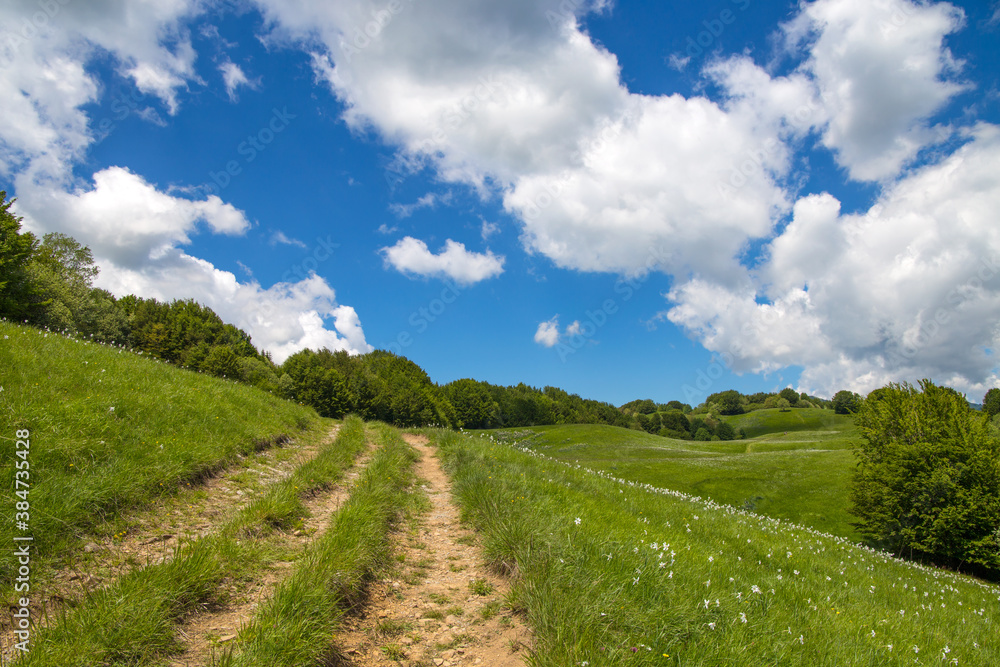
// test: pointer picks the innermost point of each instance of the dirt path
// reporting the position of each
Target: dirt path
(442, 606)
(207, 631)
(153, 534)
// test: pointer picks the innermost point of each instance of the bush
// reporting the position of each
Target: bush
(928, 477)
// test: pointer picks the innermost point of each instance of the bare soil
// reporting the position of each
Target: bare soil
(443, 605)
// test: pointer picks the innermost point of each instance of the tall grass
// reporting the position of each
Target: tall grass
(111, 430)
(133, 621)
(614, 573)
(294, 627)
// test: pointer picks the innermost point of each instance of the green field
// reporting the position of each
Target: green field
(616, 573)
(797, 468)
(111, 431)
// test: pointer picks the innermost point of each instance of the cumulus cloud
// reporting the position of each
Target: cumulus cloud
(411, 256)
(44, 76)
(548, 332)
(135, 233)
(882, 70)
(907, 290)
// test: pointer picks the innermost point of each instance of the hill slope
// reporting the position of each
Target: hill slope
(110, 430)
(613, 572)
(802, 476)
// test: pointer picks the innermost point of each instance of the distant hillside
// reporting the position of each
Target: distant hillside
(763, 422)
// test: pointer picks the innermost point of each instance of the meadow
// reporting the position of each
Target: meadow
(795, 465)
(616, 572)
(111, 431)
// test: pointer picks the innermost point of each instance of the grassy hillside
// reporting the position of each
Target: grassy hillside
(111, 430)
(618, 573)
(801, 476)
(763, 422)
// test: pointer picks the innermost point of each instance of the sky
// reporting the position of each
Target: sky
(622, 199)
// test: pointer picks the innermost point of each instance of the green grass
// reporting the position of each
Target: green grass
(133, 621)
(762, 422)
(294, 627)
(612, 573)
(111, 431)
(802, 476)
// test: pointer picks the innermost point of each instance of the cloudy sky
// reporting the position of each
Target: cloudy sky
(632, 199)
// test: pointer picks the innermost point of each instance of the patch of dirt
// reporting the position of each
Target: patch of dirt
(207, 631)
(443, 606)
(154, 534)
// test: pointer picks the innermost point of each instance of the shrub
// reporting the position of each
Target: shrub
(928, 477)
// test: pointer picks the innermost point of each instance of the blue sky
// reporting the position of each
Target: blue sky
(625, 200)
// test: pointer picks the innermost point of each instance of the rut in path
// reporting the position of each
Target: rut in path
(154, 533)
(204, 632)
(443, 606)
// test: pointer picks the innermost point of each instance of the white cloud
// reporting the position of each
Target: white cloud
(282, 238)
(882, 71)
(129, 220)
(429, 200)
(234, 77)
(135, 232)
(909, 290)
(548, 332)
(488, 229)
(43, 72)
(411, 256)
(506, 101)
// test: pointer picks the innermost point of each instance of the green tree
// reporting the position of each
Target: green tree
(789, 395)
(928, 478)
(846, 402)
(473, 403)
(991, 402)
(16, 249)
(222, 362)
(725, 431)
(729, 402)
(702, 434)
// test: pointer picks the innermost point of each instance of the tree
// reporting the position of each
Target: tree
(222, 362)
(991, 402)
(928, 478)
(725, 431)
(16, 249)
(702, 434)
(473, 404)
(846, 402)
(729, 402)
(789, 395)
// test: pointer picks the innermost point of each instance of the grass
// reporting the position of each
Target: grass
(111, 431)
(619, 573)
(802, 476)
(133, 621)
(295, 625)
